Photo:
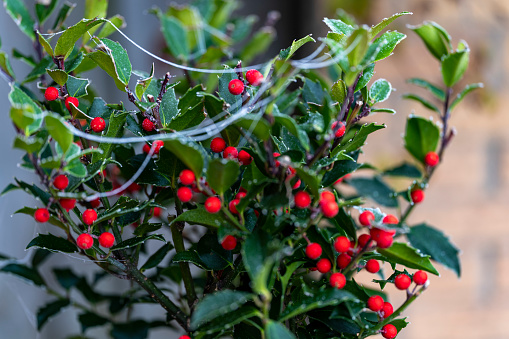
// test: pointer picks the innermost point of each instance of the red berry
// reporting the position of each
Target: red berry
(184, 194)
(275, 155)
(186, 177)
(387, 310)
(363, 240)
(232, 206)
(61, 182)
(212, 204)
(71, 100)
(431, 159)
(417, 196)
(402, 282)
(342, 244)
(217, 145)
(366, 217)
(89, 216)
(327, 196)
(41, 215)
(67, 204)
(389, 331)
(323, 265)
(184, 337)
(157, 146)
(240, 195)
(343, 260)
(313, 251)
(97, 124)
(420, 277)
(133, 188)
(254, 77)
(302, 199)
(157, 212)
(147, 125)
(329, 209)
(236, 87)
(390, 219)
(383, 238)
(229, 242)
(230, 152)
(296, 185)
(146, 148)
(51, 93)
(337, 280)
(375, 303)
(84, 241)
(341, 130)
(372, 266)
(106, 239)
(245, 158)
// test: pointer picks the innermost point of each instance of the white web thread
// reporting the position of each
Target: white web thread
(209, 127)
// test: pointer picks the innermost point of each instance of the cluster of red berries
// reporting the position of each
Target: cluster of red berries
(85, 241)
(157, 146)
(384, 309)
(383, 238)
(403, 281)
(187, 178)
(253, 77)
(51, 94)
(328, 204)
(218, 145)
(341, 129)
(314, 251)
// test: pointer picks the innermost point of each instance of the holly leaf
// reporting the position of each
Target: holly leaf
(199, 216)
(386, 22)
(434, 37)
(380, 91)
(276, 330)
(323, 298)
(189, 152)
(133, 242)
(21, 16)
(218, 304)
(436, 244)
(77, 87)
(68, 39)
(169, 107)
(286, 54)
(24, 272)
(52, 243)
(375, 189)
(222, 174)
(403, 254)
(421, 136)
(142, 84)
(59, 76)
(57, 128)
(50, 310)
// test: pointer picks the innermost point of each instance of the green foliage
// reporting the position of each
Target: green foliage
(421, 136)
(257, 285)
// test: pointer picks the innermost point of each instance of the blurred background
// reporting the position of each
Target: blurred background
(467, 198)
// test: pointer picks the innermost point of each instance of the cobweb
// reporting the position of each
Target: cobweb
(206, 130)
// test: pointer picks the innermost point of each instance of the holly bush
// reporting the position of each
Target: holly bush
(224, 193)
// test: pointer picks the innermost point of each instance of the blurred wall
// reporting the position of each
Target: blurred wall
(467, 197)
